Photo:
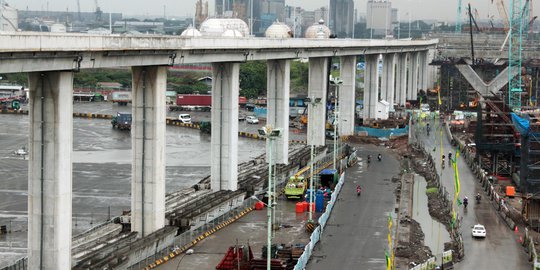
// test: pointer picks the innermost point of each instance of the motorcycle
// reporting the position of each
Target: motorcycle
(358, 191)
(465, 203)
(379, 157)
(478, 199)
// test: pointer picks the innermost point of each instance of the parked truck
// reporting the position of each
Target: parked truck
(121, 97)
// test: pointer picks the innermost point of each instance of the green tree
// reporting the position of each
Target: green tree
(253, 79)
(299, 77)
(15, 78)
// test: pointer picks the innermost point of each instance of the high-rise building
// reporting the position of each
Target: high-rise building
(379, 18)
(342, 17)
(264, 12)
(201, 12)
(270, 11)
(223, 7)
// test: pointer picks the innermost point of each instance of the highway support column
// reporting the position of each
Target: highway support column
(278, 87)
(317, 83)
(371, 86)
(388, 79)
(347, 98)
(401, 81)
(148, 144)
(50, 170)
(413, 77)
(224, 142)
(423, 63)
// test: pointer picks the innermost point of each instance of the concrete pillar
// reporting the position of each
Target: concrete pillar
(278, 87)
(371, 86)
(424, 71)
(50, 170)
(224, 150)
(388, 78)
(401, 81)
(318, 81)
(412, 92)
(347, 97)
(148, 144)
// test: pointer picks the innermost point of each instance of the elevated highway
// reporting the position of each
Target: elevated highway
(51, 59)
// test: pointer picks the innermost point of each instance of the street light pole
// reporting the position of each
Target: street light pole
(337, 82)
(313, 102)
(270, 134)
(269, 207)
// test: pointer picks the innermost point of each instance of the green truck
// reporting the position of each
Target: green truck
(121, 121)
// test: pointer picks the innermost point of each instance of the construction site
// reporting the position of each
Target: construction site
(491, 74)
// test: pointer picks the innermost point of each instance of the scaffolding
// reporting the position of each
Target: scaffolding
(496, 138)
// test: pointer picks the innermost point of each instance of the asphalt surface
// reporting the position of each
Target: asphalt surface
(500, 249)
(356, 233)
(101, 171)
(196, 116)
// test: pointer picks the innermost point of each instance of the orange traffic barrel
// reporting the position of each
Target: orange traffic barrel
(510, 191)
(259, 206)
(305, 205)
(299, 207)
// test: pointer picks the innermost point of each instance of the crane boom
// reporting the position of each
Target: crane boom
(458, 17)
(503, 14)
(79, 9)
(514, 55)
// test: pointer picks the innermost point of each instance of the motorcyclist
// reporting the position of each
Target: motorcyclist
(379, 157)
(368, 158)
(428, 128)
(478, 197)
(358, 190)
(465, 202)
(449, 155)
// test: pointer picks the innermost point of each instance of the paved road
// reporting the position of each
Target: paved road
(500, 250)
(356, 234)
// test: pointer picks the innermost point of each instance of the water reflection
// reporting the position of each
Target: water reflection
(434, 231)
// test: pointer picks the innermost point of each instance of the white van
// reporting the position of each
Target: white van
(184, 118)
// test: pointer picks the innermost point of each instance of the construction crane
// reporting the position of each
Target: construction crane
(458, 17)
(79, 10)
(503, 14)
(98, 11)
(514, 55)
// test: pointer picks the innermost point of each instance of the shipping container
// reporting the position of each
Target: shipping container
(200, 100)
(193, 100)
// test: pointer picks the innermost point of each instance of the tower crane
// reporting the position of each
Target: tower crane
(458, 17)
(503, 14)
(79, 9)
(514, 55)
(98, 11)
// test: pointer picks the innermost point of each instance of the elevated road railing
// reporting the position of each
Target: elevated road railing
(32, 51)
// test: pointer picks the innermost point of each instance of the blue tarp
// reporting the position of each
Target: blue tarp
(521, 124)
(383, 133)
(328, 171)
(260, 112)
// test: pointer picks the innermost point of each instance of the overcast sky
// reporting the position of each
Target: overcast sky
(444, 10)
